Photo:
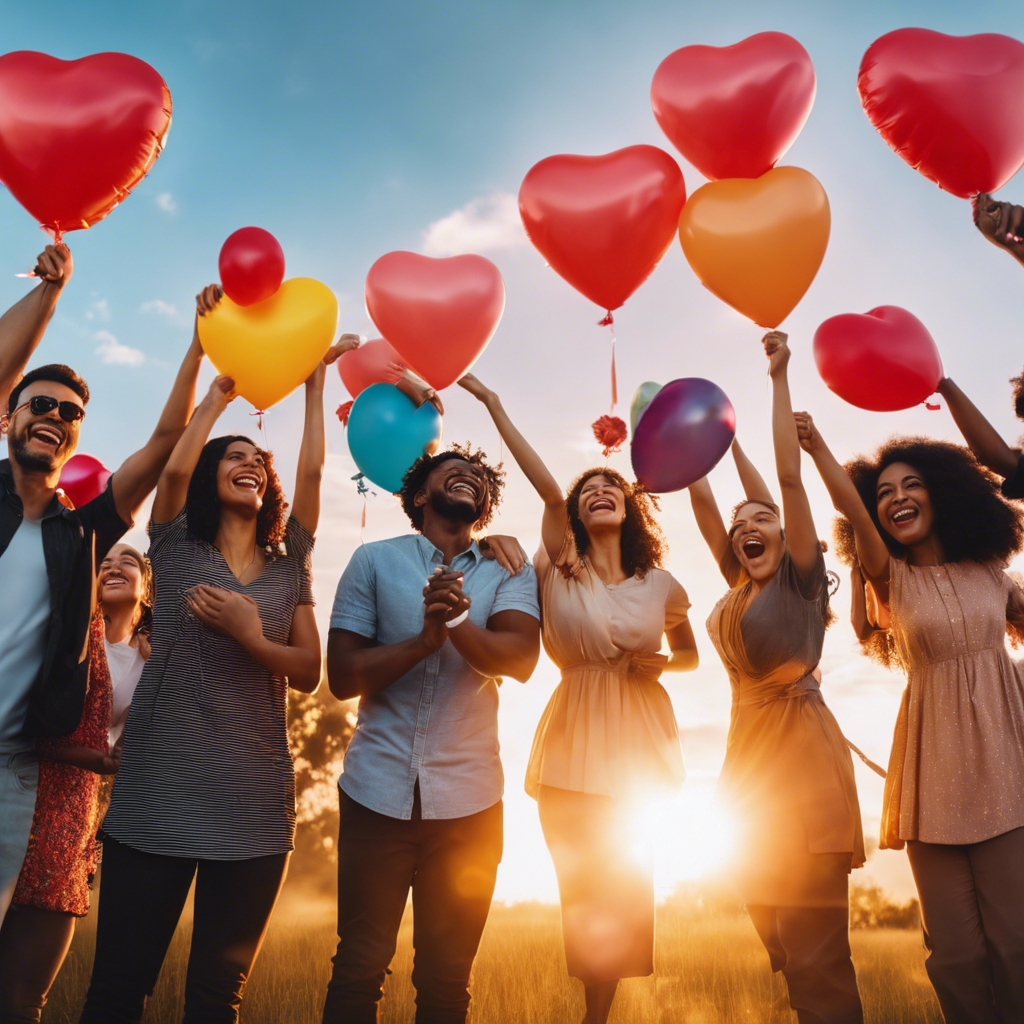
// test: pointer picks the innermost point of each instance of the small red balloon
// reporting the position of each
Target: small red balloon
(951, 106)
(251, 266)
(83, 478)
(374, 362)
(882, 360)
(76, 136)
(603, 222)
(733, 111)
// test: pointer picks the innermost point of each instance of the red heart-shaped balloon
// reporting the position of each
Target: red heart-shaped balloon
(76, 136)
(371, 363)
(951, 106)
(603, 222)
(438, 314)
(82, 478)
(733, 111)
(882, 360)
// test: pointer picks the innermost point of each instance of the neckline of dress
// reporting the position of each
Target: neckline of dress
(610, 586)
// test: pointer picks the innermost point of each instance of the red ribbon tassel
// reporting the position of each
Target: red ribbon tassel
(343, 412)
(933, 406)
(260, 413)
(610, 432)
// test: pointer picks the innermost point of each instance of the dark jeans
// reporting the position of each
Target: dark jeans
(450, 865)
(141, 899)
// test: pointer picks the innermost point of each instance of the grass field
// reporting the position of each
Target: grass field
(710, 970)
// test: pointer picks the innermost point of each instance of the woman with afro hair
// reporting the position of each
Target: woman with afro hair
(206, 789)
(608, 738)
(928, 528)
(788, 775)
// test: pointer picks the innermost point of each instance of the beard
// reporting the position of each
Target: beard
(457, 510)
(32, 462)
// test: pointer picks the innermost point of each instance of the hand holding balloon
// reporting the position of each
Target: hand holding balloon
(54, 265)
(807, 433)
(1001, 223)
(207, 299)
(776, 348)
(346, 343)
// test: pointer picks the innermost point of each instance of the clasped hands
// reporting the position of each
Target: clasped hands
(443, 601)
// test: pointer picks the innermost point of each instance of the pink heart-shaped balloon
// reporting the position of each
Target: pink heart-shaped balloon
(82, 478)
(882, 360)
(438, 314)
(733, 111)
(951, 106)
(372, 363)
(603, 222)
(77, 136)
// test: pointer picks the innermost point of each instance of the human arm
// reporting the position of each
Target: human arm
(1001, 223)
(415, 387)
(508, 646)
(140, 472)
(555, 519)
(683, 645)
(872, 553)
(237, 615)
(505, 550)
(23, 325)
(172, 488)
(801, 537)
(981, 437)
(86, 758)
(754, 487)
(863, 627)
(710, 523)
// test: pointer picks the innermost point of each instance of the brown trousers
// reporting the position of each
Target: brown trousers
(972, 907)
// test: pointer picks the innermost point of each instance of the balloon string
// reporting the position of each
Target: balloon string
(259, 423)
(933, 406)
(609, 321)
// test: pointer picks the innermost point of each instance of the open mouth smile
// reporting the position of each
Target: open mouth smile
(753, 547)
(115, 579)
(248, 481)
(47, 434)
(601, 504)
(463, 487)
(904, 517)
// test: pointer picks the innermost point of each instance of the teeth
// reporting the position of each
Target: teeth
(904, 514)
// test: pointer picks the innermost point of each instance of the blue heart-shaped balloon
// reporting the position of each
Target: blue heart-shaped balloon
(387, 434)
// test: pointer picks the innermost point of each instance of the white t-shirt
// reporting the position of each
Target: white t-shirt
(125, 663)
(24, 616)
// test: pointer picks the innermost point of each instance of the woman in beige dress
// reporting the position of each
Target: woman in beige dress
(788, 775)
(931, 534)
(608, 738)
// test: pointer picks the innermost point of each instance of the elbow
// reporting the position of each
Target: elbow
(525, 666)
(342, 682)
(307, 680)
(789, 479)
(684, 661)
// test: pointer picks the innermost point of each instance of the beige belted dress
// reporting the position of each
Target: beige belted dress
(607, 741)
(788, 775)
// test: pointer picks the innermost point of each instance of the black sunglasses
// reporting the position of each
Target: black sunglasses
(40, 405)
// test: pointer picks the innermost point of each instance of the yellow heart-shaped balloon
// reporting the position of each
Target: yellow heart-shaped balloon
(269, 348)
(757, 243)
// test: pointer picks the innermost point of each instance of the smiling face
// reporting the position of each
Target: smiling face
(602, 504)
(121, 577)
(241, 477)
(43, 443)
(904, 505)
(455, 489)
(757, 540)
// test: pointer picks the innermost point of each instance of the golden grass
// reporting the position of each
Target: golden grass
(709, 971)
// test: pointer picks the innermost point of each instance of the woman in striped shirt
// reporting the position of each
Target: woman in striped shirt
(206, 783)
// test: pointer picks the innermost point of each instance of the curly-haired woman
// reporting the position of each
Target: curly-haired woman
(608, 737)
(788, 775)
(53, 887)
(928, 528)
(205, 788)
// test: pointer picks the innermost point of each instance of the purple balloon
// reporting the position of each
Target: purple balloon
(688, 426)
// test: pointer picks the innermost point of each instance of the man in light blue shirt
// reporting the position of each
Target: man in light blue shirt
(423, 628)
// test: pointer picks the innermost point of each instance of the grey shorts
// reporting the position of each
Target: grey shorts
(19, 778)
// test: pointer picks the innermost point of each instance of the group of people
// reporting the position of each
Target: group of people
(170, 671)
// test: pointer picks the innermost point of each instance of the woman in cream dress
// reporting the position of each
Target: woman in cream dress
(608, 737)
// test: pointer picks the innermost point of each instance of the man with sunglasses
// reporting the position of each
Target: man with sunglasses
(49, 552)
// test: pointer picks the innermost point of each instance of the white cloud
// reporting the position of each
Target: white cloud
(160, 308)
(99, 309)
(166, 202)
(110, 350)
(481, 225)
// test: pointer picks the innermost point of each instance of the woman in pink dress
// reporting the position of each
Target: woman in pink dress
(929, 530)
(607, 740)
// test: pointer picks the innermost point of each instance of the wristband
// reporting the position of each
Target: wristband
(458, 620)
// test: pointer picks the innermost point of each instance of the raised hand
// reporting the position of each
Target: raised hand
(776, 348)
(344, 344)
(806, 432)
(506, 551)
(475, 387)
(1001, 223)
(207, 299)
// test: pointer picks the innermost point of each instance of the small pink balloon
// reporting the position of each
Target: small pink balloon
(251, 266)
(83, 478)
(372, 363)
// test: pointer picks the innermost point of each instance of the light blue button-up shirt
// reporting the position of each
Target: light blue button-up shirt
(437, 724)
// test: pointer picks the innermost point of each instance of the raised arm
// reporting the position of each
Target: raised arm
(710, 523)
(801, 537)
(981, 437)
(172, 488)
(872, 553)
(139, 473)
(555, 519)
(23, 325)
(1001, 223)
(754, 487)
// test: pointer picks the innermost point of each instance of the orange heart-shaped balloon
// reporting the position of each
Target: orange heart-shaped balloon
(269, 348)
(757, 243)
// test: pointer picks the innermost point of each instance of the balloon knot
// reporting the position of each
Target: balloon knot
(607, 321)
(260, 413)
(933, 406)
(361, 487)
(610, 432)
(343, 412)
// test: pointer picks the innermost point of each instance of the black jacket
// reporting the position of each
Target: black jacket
(74, 542)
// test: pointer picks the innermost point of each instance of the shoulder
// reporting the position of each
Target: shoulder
(297, 539)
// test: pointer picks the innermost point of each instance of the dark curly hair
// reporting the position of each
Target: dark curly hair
(202, 506)
(416, 477)
(59, 373)
(1018, 395)
(643, 544)
(972, 520)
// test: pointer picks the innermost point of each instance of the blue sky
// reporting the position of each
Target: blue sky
(351, 130)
